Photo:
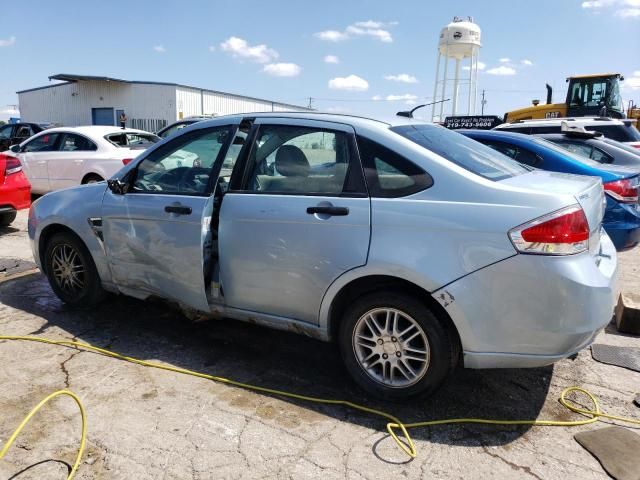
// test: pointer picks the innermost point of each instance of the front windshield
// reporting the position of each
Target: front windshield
(614, 101)
(596, 92)
(464, 152)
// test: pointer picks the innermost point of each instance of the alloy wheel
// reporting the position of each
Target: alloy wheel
(68, 269)
(391, 347)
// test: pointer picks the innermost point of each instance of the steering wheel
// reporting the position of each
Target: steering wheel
(184, 178)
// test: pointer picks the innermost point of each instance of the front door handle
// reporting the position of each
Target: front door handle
(328, 210)
(178, 209)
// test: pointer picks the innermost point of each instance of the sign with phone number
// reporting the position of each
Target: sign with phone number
(485, 122)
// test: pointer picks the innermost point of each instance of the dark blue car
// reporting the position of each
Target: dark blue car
(622, 215)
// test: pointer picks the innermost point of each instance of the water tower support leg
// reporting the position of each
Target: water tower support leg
(456, 86)
(435, 89)
(444, 80)
(472, 65)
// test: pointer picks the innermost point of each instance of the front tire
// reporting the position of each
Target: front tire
(92, 178)
(71, 271)
(395, 347)
(7, 218)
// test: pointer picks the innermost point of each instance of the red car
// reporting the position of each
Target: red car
(15, 189)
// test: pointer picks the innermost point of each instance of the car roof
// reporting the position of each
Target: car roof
(354, 120)
(589, 121)
(498, 134)
(96, 130)
(564, 136)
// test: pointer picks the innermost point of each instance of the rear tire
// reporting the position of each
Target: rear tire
(71, 271)
(92, 178)
(395, 347)
(7, 218)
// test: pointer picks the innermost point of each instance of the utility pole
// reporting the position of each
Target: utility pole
(310, 102)
(483, 102)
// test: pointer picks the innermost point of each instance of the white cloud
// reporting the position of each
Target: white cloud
(282, 69)
(351, 83)
(402, 77)
(526, 62)
(9, 42)
(159, 49)
(481, 66)
(331, 59)
(332, 36)
(504, 60)
(376, 98)
(628, 12)
(239, 48)
(212, 48)
(7, 113)
(407, 97)
(337, 110)
(633, 82)
(502, 70)
(370, 24)
(378, 33)
(369, 28)
(620, 8)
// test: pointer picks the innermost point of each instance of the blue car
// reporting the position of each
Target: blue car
(622, 215)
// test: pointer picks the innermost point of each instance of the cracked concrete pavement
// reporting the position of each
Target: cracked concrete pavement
(151, 424)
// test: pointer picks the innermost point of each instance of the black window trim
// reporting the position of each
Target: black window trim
(373, 183)
(79, 135)
(182, 140)
(241, 174)
(56, 145)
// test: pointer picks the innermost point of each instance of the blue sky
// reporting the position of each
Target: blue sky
(384, 50)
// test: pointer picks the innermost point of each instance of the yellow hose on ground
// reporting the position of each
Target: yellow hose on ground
(394, 424)
(83, 436)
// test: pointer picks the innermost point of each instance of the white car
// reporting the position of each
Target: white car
(619, 130)
(67, 156)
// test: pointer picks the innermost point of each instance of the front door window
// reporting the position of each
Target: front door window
(184, 167)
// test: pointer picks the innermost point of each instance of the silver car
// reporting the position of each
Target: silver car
(413, 247)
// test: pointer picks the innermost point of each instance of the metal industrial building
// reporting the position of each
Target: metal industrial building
(90, 100)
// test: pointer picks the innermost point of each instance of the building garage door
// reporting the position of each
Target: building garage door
(102, 116)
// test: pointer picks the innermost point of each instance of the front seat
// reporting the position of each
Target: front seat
(292, 164)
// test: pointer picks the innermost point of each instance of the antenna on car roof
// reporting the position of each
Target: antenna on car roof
(409, 113)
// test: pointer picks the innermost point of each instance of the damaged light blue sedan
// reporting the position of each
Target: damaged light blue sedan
(415, 248)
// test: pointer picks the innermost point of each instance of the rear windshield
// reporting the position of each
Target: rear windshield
(464, 152)
(623, 146)
(566, 153)
(131, 140)
(621, 133)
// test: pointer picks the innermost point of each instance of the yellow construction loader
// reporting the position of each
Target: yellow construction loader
(588, 95)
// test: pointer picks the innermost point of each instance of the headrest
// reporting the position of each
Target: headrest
(292, 162)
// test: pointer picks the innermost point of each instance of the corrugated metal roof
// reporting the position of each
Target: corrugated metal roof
(70, 78)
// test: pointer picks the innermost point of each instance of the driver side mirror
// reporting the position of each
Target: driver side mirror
(15, 148)
(117, 186)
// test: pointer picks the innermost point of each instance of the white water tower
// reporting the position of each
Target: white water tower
(459, 41)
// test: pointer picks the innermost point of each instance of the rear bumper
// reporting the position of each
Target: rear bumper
(532, 310)
(15, 192)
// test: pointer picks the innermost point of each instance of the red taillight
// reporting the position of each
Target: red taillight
(127, 161)
(636, 145)
(12, 165)
(564, 232)
(625, 191)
